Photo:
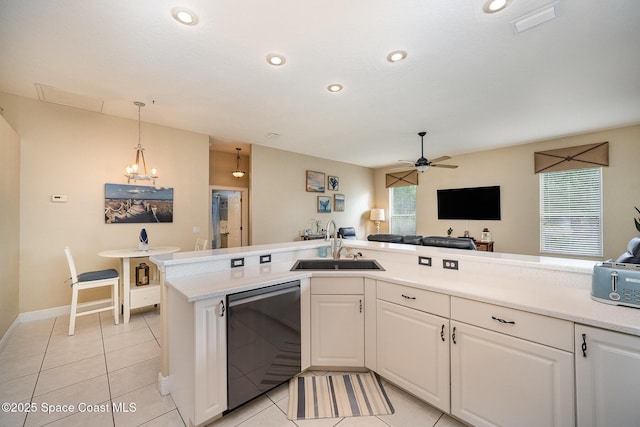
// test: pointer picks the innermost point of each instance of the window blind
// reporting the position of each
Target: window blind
(402, 210)
(571, 212)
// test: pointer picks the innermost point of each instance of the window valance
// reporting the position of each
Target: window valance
(578, 157)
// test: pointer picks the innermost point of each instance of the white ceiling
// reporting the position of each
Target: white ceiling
(468, 80)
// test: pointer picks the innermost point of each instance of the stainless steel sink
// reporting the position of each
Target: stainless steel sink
(340, 264)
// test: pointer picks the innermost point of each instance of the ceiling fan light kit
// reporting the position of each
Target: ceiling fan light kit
(422, 164)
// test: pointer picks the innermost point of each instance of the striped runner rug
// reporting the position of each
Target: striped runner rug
(330, 396)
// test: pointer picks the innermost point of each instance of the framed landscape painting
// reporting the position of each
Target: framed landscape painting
(315, 181)
(338, 202)
(137, 203)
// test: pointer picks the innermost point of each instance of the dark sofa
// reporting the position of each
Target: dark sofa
(442, 242)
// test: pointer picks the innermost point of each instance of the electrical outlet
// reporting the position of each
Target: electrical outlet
(424, 260)
(450, 264)
(237, 262)
(265, 259)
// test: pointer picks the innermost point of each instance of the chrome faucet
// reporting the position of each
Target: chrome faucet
(335, 248)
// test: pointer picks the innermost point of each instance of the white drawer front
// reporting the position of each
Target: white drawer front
(419, 299)
(337, 286)
(533, 327)
(144, 296)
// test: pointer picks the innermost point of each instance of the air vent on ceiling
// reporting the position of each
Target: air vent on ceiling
(60, 97)
(536, 17)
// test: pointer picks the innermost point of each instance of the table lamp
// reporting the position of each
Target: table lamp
(377, 215)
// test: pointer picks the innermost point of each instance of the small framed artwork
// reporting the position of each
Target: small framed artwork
(315, 181)
(334, 183)
(324, 204)
(338, 202)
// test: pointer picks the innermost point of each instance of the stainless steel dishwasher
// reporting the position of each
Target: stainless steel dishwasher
(263, 340)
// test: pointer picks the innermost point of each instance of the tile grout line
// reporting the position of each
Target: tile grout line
(53, 326)
(106, 368)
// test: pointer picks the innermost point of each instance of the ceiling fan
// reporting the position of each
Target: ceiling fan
(422, 164)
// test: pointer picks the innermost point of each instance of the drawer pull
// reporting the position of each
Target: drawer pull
(453, 335)
(584, 345)
(504, 322)
(221, 308)
(442, 333)
(407, 297)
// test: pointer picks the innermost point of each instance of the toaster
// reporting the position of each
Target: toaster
(616, 283)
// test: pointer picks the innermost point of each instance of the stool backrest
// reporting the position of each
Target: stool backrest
(72, 265)
(201, 245)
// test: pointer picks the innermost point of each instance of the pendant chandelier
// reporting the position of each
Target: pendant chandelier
(238, 173)
(137, 171)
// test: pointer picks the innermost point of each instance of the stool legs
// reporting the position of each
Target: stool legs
(74, 309)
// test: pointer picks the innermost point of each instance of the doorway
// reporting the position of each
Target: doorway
(229, 220)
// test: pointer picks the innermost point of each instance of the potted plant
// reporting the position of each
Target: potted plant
(449, 231)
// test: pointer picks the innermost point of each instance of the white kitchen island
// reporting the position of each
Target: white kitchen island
(528, 308)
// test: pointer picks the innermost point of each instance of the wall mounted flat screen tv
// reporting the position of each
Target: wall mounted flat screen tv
(469, 203)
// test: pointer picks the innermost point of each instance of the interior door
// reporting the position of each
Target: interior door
(235, 219)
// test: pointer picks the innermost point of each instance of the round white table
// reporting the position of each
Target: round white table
(149, 294)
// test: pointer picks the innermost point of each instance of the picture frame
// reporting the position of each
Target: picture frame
(124, 203)
(333, 183)
(338, 202)
(324, 204)
(315, 181)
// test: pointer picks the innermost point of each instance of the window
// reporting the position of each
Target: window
(571, 212)
(402, 210)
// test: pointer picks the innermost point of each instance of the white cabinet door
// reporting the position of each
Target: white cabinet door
(499, 380)
(337, 330)
(210, 365)
(607, 378)
(413, 352)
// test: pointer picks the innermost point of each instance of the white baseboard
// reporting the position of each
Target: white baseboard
(5, 338)
(47, 313)
(30, 316)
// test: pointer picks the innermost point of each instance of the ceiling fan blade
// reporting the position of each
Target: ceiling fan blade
(407, 161)
(443, 166)
(440, 159)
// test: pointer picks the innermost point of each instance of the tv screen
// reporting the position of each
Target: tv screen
(469, 203)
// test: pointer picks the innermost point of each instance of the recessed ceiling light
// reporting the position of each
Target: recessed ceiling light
(184, 16)
(493, 6)
(396, 55)
(335, 87)
(275, 59)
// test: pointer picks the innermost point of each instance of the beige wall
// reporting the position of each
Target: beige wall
(280, 205)
(9, 225)
(221, 164)
(75, 152)
(512, 169)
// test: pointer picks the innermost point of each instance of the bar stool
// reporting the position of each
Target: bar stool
(88, 280)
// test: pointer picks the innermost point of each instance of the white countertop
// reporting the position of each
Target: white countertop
(525, 292)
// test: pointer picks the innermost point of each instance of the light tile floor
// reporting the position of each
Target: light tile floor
(105, 366)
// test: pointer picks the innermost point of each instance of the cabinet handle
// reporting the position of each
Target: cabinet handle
(453, 335)
(504, 322)
(222, 308)
(360, 306)
(442, 332)
(407, 297)
(584, 345)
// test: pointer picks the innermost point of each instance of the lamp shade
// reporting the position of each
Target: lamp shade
(377, 215)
